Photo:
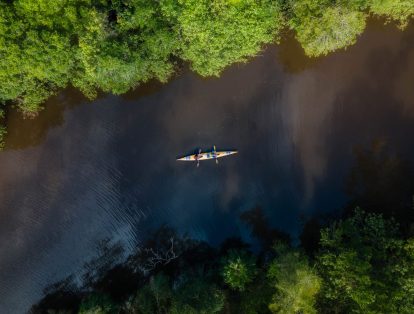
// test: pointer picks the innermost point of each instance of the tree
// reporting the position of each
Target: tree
(239, 269)
(118, 55)
(197, 296)
(3, 133)
(257, 296)
(45, 47)
(398, 10)
(323, 26)
(296, 283)
(36, 52)
(216, 33)
(98, 304)
(366, 267)
(154, 297)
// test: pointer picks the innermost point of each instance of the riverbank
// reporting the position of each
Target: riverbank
(174, 274)
(114, 46)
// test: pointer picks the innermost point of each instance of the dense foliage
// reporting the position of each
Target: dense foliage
(323, 26)
(238, 269)
(215, 34)
(362, 265)
(97, 304)
(366, 266)
(398, 10)
(115, 45)
(296, 283)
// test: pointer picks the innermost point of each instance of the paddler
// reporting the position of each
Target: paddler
(197, 156)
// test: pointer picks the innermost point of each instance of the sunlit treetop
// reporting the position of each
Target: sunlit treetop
(399, 10)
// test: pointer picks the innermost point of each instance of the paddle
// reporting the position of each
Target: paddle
(215, 154)
(198, 160)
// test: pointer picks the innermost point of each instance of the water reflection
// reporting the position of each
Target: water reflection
(108, 169)
(382, 181)
(60, 296)
(260, 227)
(292, 56)
(25, 132)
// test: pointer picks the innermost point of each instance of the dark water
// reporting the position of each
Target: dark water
(82, 172)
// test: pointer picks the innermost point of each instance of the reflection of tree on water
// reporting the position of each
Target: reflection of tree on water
(379, 182)
(257, 221)
(108, 273)
(382, 182)
(292, 56)
(23, 132)
(62, 295)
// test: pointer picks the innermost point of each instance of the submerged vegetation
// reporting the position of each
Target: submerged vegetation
(114, 46)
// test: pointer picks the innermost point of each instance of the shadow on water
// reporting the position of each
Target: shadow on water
(381, 181)
(107, 273)
(143, 90)
(62, 297)
(292, 56)
(108, 255)
(26, 132)
(23, 132)
(258, 223)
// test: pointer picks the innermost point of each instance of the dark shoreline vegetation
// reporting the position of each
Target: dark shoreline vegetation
(360, 261)
(113, 46)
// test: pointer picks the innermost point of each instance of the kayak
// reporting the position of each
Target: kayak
(208, 155)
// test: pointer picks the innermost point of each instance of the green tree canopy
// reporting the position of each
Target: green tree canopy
(154, 297)
(296, 283)
(46, 46)
(115, 56)
(217, 33)
(366, 267)
(257, 296)
(98, 304)
(398, 10)
(323, 26)
(197, 296)
(239, 269)
(36, 50)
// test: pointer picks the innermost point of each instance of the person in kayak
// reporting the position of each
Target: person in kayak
(214, 152)
(197, 157)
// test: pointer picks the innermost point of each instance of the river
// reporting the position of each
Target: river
(84, 171)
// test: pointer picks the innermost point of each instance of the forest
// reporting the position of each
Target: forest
(359, 261)
(362, 264)
(113, 46)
